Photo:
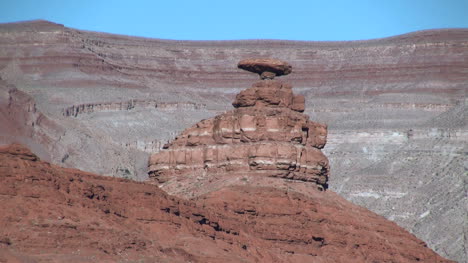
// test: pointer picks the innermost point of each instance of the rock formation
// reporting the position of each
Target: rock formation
(53, 214)
(370, 93)
(22, 122)
(266, 135)
(267, 68)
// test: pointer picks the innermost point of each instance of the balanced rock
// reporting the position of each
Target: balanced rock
(267, 68)
(266, 135)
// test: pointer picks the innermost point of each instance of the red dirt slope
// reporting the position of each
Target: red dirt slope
(53, 214)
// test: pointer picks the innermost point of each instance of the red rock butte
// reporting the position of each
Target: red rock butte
(266, 135)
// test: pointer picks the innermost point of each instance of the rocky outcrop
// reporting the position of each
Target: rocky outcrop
(265, 135)
(22, 122)
(270, 93)
(267, 68)
(54, 214)
(75, 110)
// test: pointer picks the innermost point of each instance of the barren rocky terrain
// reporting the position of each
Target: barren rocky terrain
(56, 214)
(395, 109)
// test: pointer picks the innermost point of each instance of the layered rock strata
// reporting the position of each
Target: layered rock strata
(364, 90)
(75, 110)
(265, 135)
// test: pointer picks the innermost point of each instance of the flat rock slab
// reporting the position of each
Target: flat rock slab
(265, 66)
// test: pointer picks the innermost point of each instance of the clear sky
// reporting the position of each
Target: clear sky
(245, 19)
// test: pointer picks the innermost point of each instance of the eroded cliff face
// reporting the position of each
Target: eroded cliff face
(266, 135)
(22, 122)
(53, 214)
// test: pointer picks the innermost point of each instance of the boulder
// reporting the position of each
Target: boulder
(267, 68)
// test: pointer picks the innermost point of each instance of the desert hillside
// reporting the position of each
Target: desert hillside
(54, 214)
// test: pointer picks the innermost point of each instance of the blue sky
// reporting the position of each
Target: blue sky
(245, 19)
